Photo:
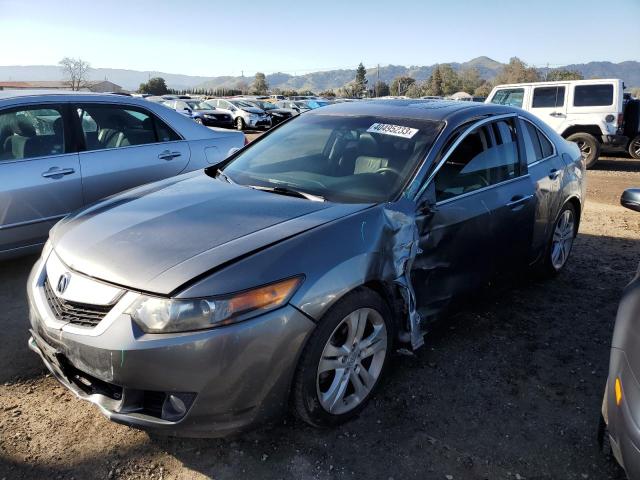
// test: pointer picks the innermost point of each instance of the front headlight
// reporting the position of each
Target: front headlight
(169, 315)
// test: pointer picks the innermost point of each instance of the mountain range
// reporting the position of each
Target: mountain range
(488, 68)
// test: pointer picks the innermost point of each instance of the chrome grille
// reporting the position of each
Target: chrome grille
(75, 313)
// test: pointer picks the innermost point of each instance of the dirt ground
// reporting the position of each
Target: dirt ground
(508, 389)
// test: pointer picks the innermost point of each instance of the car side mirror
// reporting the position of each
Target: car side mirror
(631, 199)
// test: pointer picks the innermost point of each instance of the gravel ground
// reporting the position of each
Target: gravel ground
(510, 388)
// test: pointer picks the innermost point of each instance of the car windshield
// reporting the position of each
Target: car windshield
(302, 104)
(199, 105)
(350, 159)
(265, 105)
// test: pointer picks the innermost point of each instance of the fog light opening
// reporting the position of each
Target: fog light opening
(176, 405)
(618, 391)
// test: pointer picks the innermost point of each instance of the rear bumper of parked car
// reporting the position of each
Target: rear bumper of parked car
(207, 383)
(623, 418)
(615, 140)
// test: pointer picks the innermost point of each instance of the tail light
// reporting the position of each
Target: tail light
(620, 120)
(246, 140)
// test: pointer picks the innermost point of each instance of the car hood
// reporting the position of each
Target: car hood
(252, 110)
(159, 237)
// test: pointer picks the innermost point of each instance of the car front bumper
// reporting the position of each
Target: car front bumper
(227, 378)
(623, 420)
(258, 122)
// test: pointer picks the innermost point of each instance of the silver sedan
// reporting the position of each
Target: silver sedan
(60, 151)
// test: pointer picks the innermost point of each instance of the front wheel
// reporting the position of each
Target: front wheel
(239, 123)
(634, 147)
(343, 360)
(588, 145)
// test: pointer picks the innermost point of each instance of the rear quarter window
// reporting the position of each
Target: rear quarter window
(593, 95)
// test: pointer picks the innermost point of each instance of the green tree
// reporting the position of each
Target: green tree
(328, 94)
(450, 80)
(483, 90)
(563, 74)
(400, 84)
(381, 89)
(360, 82)
(470, 79)
(260, 85)
(516, 71)
(434, 83)
(414, 90)
(155, 86)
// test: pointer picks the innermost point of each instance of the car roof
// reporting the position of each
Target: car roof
(436, 110)
(63, 96)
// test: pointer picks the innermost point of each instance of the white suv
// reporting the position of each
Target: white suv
(588, 112)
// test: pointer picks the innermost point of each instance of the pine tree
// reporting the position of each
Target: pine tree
(360, 83)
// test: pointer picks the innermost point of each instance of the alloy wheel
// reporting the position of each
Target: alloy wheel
(562, 242)
(635, 147)
(351, 361)
(585, 148)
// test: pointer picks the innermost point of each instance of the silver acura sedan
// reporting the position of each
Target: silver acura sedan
(286, 275)
(60, 151)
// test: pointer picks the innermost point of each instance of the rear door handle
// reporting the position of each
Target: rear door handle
(556, 114)
(167, 155)
(554, 173)
(518, 201)
(55, 172)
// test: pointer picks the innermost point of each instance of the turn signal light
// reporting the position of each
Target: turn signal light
(618, 390)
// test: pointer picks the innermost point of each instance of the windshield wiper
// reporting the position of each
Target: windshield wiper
(225, 176)
(289, 191)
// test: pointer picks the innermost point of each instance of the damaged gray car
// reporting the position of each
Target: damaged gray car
(285, 277)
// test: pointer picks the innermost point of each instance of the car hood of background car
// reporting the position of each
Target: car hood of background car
(255, 110)
(161, 236)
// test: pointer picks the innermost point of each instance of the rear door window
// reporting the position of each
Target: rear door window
(548, 97)
(116, 126)
(593, 95)
(509, 96)
(31, 132)
(537, 145)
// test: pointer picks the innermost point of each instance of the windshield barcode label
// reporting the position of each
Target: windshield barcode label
(395, 130)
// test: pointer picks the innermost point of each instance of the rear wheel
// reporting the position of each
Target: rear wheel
(239, 123)
(588, 145)
(561, 242)
(343, 360)
(634, 147)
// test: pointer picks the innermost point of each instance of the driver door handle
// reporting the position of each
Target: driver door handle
(556, 114)
(167, 155)
(518, 201)
(55, 172)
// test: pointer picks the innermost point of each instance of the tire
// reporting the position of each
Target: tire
(240, 124)
(198, 120)
(316, 396)
(634, 147)
(550, 265)
(588, 145)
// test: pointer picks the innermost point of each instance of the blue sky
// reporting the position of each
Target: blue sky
(207, 37)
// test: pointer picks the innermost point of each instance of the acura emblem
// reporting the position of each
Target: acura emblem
(63, 282)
